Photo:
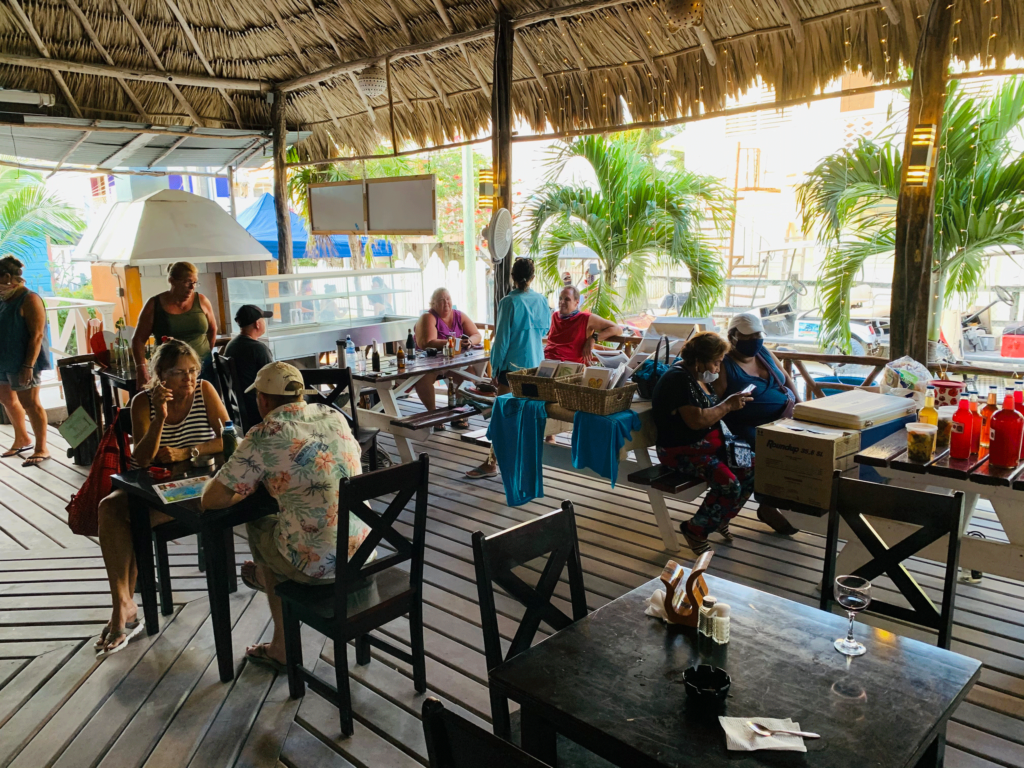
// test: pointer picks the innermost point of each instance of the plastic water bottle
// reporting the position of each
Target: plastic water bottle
(229, 437)
(350, 348)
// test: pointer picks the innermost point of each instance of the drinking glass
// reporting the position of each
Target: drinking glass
(854, 594)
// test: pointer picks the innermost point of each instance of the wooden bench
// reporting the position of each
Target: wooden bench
(664, 479)
(476, 437)
(435, 418)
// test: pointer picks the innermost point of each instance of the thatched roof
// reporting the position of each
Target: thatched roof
(586, 60)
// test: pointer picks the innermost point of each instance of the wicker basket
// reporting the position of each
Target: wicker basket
(603, 402)
(528, 385)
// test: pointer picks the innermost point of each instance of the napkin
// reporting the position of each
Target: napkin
(656, 606)
(739, 737)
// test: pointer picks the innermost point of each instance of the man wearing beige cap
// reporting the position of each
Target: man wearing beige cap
(300, 453)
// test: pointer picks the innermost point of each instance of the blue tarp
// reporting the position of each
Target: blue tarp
(260, 221)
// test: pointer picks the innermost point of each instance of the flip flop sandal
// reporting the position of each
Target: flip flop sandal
(259, 656)
(34, 461)
(98, 646)
(479, 474)
(461, 424)
(251, 583)
(15, 452)
(130, 632)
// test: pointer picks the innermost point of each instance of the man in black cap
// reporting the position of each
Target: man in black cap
(249, 353)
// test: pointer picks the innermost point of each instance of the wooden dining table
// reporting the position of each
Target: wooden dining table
(977, 478)
(612, 682)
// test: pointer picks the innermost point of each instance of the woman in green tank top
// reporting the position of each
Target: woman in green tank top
(180, 313)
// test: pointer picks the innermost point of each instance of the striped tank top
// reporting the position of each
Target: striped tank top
(194, 429)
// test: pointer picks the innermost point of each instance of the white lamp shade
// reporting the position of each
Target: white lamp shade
(372, 82)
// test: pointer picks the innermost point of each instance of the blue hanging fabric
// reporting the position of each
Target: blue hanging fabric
(597, 440)
(516, 432)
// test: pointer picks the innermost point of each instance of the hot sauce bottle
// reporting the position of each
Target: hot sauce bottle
(975, 424)
(1006, 434)
(986, 422)
(961, 438)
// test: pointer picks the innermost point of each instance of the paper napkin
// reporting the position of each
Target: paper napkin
(739, 737)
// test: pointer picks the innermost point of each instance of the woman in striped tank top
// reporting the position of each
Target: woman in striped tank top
(172, 415)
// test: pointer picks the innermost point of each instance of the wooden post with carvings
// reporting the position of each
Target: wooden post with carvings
(501, 137)
(913, 278)
(284, 224)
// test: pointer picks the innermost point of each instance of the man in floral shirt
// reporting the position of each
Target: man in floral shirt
(300, 453)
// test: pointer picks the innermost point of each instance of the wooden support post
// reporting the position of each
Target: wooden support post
(284, 225)
(913, 277)
(501, 137)
(231, 192)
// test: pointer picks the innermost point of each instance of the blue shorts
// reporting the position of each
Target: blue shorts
(14, 379)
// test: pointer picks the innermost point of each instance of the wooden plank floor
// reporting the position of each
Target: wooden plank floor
(160, 704)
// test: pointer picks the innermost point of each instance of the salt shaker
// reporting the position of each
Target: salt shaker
(704, 626)
(718, 620)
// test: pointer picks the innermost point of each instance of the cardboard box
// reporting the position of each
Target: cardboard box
(795, 460)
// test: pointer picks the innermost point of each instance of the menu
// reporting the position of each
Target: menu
(185, 489)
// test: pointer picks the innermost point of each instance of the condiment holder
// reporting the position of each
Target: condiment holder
(682, 606)
(713, 620)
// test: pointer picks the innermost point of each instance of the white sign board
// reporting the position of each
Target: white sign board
(405, 205)
(337, 208)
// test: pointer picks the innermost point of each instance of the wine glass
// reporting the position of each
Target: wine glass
(854, 594)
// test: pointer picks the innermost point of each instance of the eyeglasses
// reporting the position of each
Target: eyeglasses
(187, 283)
(180, 373)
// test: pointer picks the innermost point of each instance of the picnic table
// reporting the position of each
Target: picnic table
(612, 682)
(390, 384)
(977, 478)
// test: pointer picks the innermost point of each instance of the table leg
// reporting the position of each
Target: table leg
(658, 506)
(107, 399)
(217, 588)
(935, 755)
(142, 543)
(404, 444)
(538, 737)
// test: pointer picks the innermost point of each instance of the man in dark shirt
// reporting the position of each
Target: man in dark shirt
(249, 353)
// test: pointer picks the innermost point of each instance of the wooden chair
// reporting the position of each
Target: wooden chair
(233, 393)
(356, 603)
(340, 381)
(496, 558)
(936, 515)
(454, 742)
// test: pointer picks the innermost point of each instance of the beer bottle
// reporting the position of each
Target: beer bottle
(400, 358)
(375, 360)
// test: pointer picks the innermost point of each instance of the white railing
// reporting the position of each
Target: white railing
(78, 317)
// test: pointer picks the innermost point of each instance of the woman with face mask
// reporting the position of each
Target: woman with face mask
(748, 363)
(688, 416)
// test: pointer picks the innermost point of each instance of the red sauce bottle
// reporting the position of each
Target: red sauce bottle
(975, 425)
(1018, 396)
(962, 434)
(986, 422)
(1005, 438)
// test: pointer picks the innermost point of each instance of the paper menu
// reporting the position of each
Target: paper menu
(185, 489)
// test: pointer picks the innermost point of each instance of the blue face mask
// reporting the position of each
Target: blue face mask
(748, 347)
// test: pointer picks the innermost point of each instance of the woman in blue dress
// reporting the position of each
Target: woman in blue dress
(749, 363)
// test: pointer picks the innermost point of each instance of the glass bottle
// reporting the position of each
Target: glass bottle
(1006, 434)
(975, 424)
(410, 342)
(375, 360)
(960, 439)
(986, 422)
(400, 358)
(928, 414)
(1018, 396)
(451, 391)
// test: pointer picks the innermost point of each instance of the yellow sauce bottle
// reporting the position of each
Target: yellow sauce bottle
(928, 414)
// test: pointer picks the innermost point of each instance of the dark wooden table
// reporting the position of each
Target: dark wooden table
(612, 683)
(420, 365)
(110, 381)
(213, 525)
(976, 478)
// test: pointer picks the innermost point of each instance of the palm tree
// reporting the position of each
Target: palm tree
(28, 210)
(634, 215)
(849, 200)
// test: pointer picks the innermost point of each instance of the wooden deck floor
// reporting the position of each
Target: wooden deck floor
(160, 703)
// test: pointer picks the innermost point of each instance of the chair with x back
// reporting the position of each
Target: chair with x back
(365, 595)
(340, 382)
(233, 393)
(455, 742)
(497, 557)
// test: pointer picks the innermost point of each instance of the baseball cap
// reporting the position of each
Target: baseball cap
(248, 314)
(280, 379)
(746, 323)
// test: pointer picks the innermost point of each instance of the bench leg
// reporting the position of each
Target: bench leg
(664, 520)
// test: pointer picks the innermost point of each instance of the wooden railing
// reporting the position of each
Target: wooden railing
(78, 317)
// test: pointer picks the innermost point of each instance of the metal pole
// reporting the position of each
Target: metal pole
(469, 231)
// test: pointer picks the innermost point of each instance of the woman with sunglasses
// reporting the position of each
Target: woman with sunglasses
(178, 313)
(174, 415)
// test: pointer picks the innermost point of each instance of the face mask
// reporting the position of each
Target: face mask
(571, 314)
(8, 289)
(707, 377)
(749, 347)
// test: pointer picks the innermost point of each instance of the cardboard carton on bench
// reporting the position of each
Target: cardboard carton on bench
(795, 460)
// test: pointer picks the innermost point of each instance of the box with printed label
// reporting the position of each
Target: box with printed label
(795, 460)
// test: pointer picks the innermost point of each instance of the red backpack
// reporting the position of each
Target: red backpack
(111, 459)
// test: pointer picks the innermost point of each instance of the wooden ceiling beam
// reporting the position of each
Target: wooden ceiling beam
(793, 17)
(144, 39)
(176, 12)
(125, 151)
(169, 150)
(87, 27)
(30, 29)
(71, 150)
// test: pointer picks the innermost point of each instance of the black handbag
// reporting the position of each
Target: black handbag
(738, 453)
(647, 375)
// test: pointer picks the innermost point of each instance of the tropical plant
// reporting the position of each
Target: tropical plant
(849, 200)
(633, 215)
(28, 210)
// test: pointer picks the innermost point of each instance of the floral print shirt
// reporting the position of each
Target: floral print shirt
(300, 452)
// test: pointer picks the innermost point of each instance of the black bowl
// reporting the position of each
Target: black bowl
(706, 684)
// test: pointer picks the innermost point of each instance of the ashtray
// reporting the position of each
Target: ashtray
(707, 684)
(206, 460)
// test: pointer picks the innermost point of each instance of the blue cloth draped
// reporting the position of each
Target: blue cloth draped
(597, 440)
(516, 432)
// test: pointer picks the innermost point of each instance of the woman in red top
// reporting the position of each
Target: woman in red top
(573, 333)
